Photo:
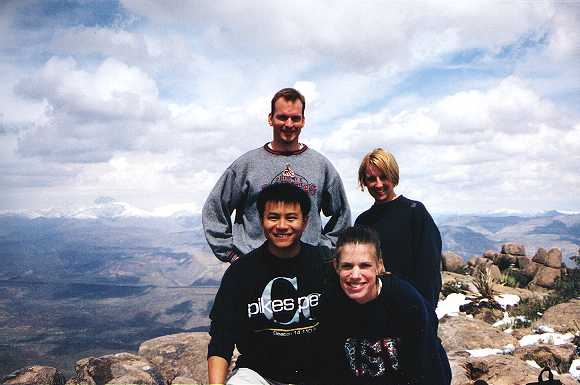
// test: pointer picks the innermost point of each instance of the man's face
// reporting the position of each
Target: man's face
(358, 267)
(283, 224)
(379, 186)
(287, 121)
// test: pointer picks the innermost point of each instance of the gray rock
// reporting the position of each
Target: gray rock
(461, 333)
(523, 261)
(556, 357)
(178, 355)
(546, 277)
(513, 249)
(504, 370)
(561, 317)
(35, 375)
(489, 254)
(531, 269)
(554, 258)
(452, 262)
(540, 256)
(476, 260)
(120, 368)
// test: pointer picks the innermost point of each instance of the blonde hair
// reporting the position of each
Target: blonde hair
(384, 161)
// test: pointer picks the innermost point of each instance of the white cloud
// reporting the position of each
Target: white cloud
(476, 99)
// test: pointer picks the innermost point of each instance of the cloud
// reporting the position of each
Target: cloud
(507, 138)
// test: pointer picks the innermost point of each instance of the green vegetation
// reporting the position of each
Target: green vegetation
(513, 278)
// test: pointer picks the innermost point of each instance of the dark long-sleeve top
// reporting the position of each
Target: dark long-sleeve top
(410, 243)
(389, 340)
(268, 308)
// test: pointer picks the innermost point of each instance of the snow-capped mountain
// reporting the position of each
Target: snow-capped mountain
(109, 208)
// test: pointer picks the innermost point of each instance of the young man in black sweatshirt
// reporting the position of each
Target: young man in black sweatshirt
(267, 303)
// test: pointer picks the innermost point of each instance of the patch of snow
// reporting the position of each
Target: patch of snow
(508, 321)
(547, 338)
(533, 364)
(508, 349)
(450, 305)
(506, 300)
(544, 329)
(483, 352)
(575, 369)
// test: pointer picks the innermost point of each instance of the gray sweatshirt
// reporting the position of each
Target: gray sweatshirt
(238, 188)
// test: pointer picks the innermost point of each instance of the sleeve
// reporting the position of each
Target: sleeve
(224, 198)
(225, 319)
(334, 205)
(427, 252)
(423, 359)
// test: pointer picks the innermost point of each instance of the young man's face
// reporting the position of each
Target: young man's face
(283, 224)
(286, 121)
(379, 186)
(358, 267)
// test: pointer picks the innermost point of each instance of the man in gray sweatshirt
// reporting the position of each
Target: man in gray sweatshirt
(283, 160)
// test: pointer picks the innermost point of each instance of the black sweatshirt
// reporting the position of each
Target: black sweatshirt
(389, 340)
(268, 307)
(410, 243)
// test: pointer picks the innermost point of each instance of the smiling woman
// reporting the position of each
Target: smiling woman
(387, 330)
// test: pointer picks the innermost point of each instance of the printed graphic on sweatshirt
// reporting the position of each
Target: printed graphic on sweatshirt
(372, 357)
(290, 176)
(281, 305)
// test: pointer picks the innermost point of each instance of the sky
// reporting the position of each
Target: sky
(149, 101)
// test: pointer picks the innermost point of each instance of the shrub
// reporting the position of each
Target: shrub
(484, 283)
(454, 286)
(514, 278)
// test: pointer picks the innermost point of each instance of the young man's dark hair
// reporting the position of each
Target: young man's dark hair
(283, 192)
(289, 94)
(359, 235)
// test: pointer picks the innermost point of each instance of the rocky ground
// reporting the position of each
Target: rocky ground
(493, 333)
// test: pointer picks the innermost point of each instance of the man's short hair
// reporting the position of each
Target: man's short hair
(289, 94)
(359, 234)
(384, 161)
(283, 192)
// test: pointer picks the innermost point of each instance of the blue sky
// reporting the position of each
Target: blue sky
(148, 102)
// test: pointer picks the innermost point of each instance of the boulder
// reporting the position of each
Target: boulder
(452, 262)
(461, 333)
(35, 375)
(554, 258)
(546, 277)
(458, 373)
(505, 370)
(120, 368)
(540, 256)
(531, 269)
(476, 260)
(489, 254)
(523, 261)
(556, 357)
(513, 249)
(561, 317)
(178, 355)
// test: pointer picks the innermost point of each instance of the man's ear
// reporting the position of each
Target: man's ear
(335, 265)
(270, 119)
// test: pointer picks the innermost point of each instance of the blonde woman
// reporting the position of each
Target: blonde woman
(403, 225)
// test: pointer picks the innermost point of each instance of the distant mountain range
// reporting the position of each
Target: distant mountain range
(114, 242)
(469, 235)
